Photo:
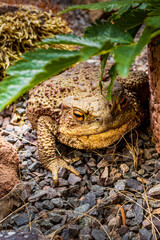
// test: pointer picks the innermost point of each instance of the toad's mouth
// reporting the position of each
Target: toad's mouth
(98, 140)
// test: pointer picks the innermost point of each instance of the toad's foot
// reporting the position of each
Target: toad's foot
(54, 168)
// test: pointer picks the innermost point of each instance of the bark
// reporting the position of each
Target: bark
(154, 85)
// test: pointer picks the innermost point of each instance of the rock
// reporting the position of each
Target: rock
(105, 173)
(85, 234)
(45, 223)
(65, 234)
(145, 234)
(57, 202)
(134, 184)
(130, 213)
(48, 193)
(73, 229)
(120, 185)
(138, 211)
(11, 235)
(99, 190)
(90, 198)
(147, 153)
(154, 190)
(47, 205)
(122, 230)
(82, 209)
(73, 179)
(55, 217)
(24, 218)
(124, 167)
(98, 234)
(9, 162)
(34, 166)
(115, 222)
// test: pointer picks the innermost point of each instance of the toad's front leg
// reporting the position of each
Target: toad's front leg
(46, 129)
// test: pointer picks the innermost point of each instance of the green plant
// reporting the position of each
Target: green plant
(112, 37)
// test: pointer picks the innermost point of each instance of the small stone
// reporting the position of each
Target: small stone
(134, 184)
(98, 234)
(145, 234)
(115, 222)
(47, 205)
(105, 173)
(147, 153)
(73, 229)
(82, 209)
(55, 217)
(130, 213)
(154, 190)
(124, 167)
(26, 154)
(90, 198)
(99, 190)
(21, 111)
(38, 196)
(65, 234)
(120, 185)
(57, 202)
(73, 179)
(81, 170)
(141, 171)
(46, 223)
(122, 230)
(5, 122)
(138, 211)
(24, 218)
(34, 166)
(85, 234)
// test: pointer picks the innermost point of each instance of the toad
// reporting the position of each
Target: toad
(71, 108)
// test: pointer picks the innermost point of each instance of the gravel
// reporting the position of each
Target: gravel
(52, 208)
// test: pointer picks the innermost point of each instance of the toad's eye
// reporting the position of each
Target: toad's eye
(123, 102)
(78, 115)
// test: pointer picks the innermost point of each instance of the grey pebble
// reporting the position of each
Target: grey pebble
(24, 218)
(55, 217)
(138, 209)
(73, 179)
(46, 223)
(98, 234)
(82, 209)
(145, 234)
(89, 198)
(46, 204)
(120, 185)
(57, 202)
(34, 166)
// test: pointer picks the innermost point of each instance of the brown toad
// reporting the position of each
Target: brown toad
(71, 109)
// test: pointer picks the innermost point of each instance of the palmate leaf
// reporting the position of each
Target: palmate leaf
(108, 6)
(153, 21)
(71, 39)
(130, 19)
(125, 54)
(36, 67)
(106, 31)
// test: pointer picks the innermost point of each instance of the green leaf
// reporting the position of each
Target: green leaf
(36, 67)
(125, 54)
(153, 21)
(70, 39)
(103, 64)
(103, 31)
(130, 19)
(88, 52)
(108, 6)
